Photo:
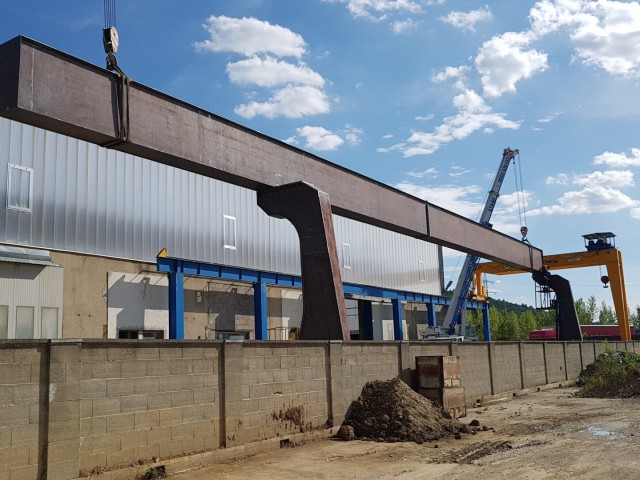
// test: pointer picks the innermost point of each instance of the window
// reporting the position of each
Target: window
(24, 322)
(141, 334)
(49, 321)
(19, 188)
(346, 256)
(229, 232)
(4, 321)
(422, 271)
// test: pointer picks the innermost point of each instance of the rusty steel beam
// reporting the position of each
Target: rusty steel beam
(324, 316)
(46, 88)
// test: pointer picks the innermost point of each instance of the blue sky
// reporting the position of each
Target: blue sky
(421, 95)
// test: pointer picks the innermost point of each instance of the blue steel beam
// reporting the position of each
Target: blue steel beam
(260, 310)
(172, 265)
(396, 305)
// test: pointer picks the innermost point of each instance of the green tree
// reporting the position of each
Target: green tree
(606, 315)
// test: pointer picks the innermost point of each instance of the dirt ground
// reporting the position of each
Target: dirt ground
(543, 435)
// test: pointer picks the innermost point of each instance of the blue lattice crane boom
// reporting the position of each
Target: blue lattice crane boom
(455, 318)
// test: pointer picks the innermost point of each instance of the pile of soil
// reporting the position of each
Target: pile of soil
(390, 411)
(613, 375)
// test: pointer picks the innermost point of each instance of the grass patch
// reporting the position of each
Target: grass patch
(613, 374)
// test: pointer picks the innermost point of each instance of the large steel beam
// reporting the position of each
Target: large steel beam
(324, 316)
(43, 87)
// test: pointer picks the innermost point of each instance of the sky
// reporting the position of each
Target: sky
(421, 95)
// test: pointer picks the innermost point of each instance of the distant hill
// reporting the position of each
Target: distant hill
(504, 306)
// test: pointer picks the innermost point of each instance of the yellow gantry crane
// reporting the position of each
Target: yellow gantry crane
(600, 251)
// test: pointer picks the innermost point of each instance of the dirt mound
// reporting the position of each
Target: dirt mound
(613, 375)
(391, 411)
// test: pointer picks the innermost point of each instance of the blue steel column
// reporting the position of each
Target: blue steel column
(260, 310)
(176, 305)
(367, 319)
(431, 314)
(486, 323)
(396, 304)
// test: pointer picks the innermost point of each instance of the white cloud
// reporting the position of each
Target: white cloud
(473, 115)
(270, 72)
(604, 33)
(353, 135)
(549, 118)
(503, 61)
(635, 213)
(250, 36)
(387, 136)
(319, 138)
(468, 20)
(451, 197)
(401, 26)
(378, 9)
(560, 179)
(290, 102)
(619, 160)
(428, 173)
(610, 178)
(601, 192)
(592, 199)
(449, 73)
(457, 171)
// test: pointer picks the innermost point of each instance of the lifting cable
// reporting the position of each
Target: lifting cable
(521, 200)
(110, 40)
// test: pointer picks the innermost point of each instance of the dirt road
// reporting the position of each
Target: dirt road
(544, 435)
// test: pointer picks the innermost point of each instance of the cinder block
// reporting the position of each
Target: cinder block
(193, 413)
(170, 352)
(62, 431)
(181, 431)
(121, 353)
(135, 438)
(105, 369)
(134, 368)
(15, 373)
(147, 385)
(65, 410)
(182, 398)
(452, 400)
(14, 415)
(93, 354)
(64, 392)
(28, 355)
(63, 470)
(21, 434)
(192, 382)
(104, 443)
(158, 435)
(118, 387)
(160, 400)
(106, 406)
(145, 420)
(121, 457)
(63, 451)
(120, 423)
(147, 353)
(89, 461)
(134, 403)
(65, 352)
(93, 388)
(28, 472)
(173, 383)
(170, 416)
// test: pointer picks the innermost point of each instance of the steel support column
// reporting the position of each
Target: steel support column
(324, 316)
(260, 310)
(366, 315)
(431, 314)
(176, 305)
(396, 305)
(486, 324)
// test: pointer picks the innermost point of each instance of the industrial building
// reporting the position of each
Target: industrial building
(84, 215)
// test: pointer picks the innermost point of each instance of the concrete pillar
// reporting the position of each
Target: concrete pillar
(63, 436)
(335, 390)
(232, 419)
(406, 364)
(260, 310)
(176, 305)
(396, 305)
(309, 210)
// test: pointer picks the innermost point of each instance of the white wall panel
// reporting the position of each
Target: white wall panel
(93, 200)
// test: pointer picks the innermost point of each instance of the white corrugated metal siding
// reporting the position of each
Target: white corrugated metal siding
(89, 199)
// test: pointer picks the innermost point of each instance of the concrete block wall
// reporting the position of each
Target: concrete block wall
(506, 368)
(367, 361)
(140, 400)
(532, 361)
(573, 359)
(476, 368)
(284, 390)
(72, 407)
(23, 419)
(556, 366)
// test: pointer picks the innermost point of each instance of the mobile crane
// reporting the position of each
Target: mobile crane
(454, 325)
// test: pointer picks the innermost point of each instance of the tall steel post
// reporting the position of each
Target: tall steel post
(176, 305)
(396, 305)
(260, 310)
